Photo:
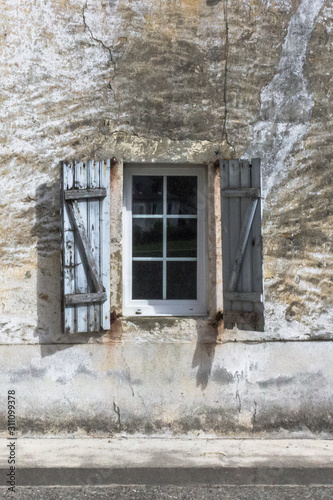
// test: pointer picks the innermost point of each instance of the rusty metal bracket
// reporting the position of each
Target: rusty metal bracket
(113, 161)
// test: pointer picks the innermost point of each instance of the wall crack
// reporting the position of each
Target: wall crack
(226, 69)
(254, 416)
(104, 46)
(116, 409)
(239, 401)
(238, 398)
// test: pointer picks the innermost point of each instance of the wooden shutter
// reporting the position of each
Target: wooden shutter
(242, 244)
(86, 246)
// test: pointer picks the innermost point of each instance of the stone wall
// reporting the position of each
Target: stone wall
(171, 81)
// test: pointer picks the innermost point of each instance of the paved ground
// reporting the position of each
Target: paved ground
(168, 468)
(180, 452)
(172, 493)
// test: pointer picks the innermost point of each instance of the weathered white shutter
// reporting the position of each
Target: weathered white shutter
(242, 244)
(86, 246)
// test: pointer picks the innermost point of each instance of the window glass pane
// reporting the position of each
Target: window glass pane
(181, 280)
(147, 280)
(182, 195)
(182, 238)
(147, 194)
(147, 237)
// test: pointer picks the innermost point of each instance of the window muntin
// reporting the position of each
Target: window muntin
(164, 240)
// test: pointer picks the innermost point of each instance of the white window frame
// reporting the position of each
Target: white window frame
(162, 307)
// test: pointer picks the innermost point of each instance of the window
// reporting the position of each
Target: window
(164, 244)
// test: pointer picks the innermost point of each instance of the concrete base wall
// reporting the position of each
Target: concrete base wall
(170, 388)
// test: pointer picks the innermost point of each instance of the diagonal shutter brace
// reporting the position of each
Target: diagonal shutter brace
(244, 236)
(76, 220)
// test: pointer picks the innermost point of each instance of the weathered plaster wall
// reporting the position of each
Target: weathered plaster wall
(203, 388)
(175, 81)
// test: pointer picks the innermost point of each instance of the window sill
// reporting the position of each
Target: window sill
(165, 329)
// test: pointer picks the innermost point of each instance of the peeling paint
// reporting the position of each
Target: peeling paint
(286, 103)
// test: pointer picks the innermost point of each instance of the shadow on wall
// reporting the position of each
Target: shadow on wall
(47, 232)
(203, 359)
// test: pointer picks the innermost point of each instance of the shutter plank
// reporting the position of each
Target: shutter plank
(104, 174)
(235, 226)
(81, 284)
(225, 218)
(241, 193)
(86, 298)
(246, 278)
(258, 275)
(76, 194)
(94, 310)
(68, 260)
(244, 296)
(242, 317)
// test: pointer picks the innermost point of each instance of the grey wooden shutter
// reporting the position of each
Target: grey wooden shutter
(86, 246)
(242, 244)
